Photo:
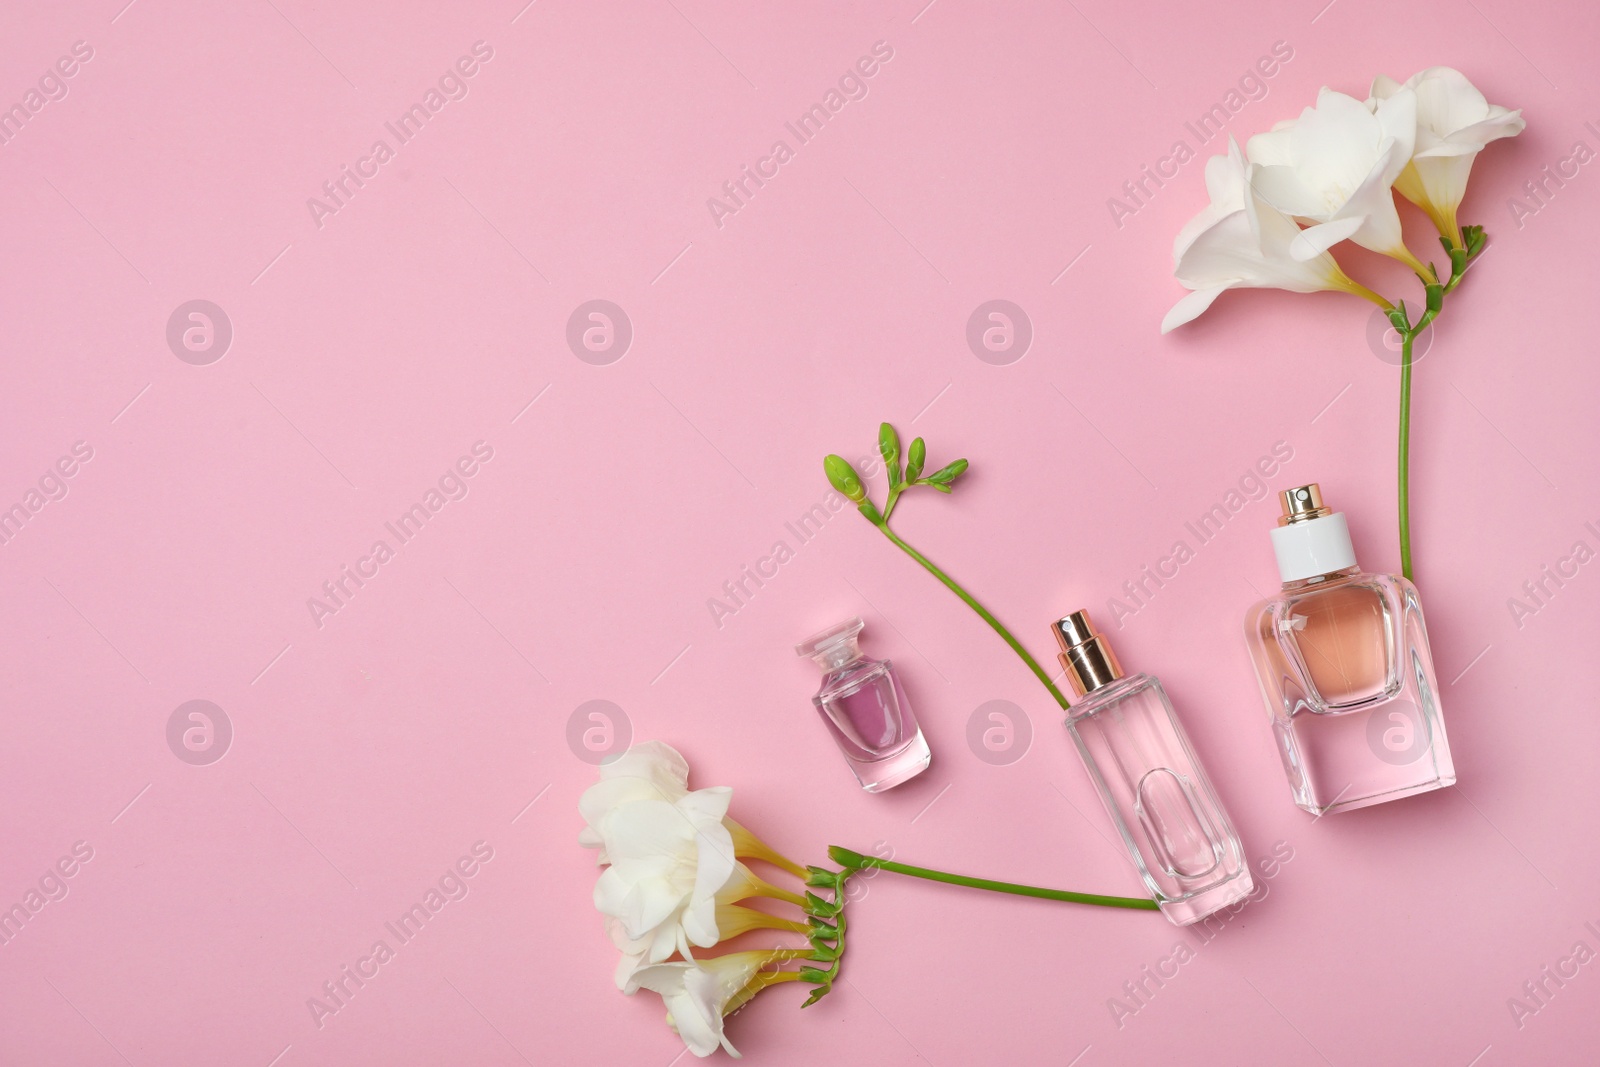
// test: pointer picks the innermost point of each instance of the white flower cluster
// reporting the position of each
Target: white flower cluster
(1325, 177)
(671, 881)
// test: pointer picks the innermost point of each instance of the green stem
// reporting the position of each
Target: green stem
(857, 861)
(888, 504)
(1405, 453)
(1408, 338)
(827, 924)
(983, 612)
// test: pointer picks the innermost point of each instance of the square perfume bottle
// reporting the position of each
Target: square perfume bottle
(1344, 667)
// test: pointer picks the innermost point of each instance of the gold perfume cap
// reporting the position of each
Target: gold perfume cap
(1302, 504)
(1087, 658)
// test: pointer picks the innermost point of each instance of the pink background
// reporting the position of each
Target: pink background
(431, 711)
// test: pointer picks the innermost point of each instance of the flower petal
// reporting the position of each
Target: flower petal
(655, 761)
(1285, 188)
(1192, 306)
(1383, 87)
(1315, 240)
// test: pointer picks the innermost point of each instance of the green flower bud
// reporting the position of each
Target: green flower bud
(844, 857)
(822, 951)
(844, 478)
(819, 876)
(889, 448)
(946, 475)
(915, 458)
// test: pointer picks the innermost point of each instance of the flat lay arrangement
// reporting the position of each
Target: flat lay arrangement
(891, 531)
(1342, 656)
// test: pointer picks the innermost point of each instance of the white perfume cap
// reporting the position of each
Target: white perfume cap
(1310, 538)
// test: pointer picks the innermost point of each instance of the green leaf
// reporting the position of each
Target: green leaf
(915, 458)
(843, 477)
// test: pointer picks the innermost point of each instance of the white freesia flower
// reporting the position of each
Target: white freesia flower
(653, 770)
(673, 875)
(635, 951)
(731, 920)
(668, 860)
(698, 994)
(1454, 122)
(648, 771)
(1334, 167)
(1240, 241)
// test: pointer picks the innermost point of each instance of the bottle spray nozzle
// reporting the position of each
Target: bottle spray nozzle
(1085, 654)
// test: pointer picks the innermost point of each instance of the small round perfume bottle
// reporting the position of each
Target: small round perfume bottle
(864, 707)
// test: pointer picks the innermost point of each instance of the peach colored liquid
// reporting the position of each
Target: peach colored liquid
(1358, 723)
(1344, 641)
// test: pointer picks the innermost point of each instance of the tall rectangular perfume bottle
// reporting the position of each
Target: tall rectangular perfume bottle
(865, 709)
(1342, 658)
(1174, 826)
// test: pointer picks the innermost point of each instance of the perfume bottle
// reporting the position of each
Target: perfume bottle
(1342, 658)
(864, 707)
(1176, 831)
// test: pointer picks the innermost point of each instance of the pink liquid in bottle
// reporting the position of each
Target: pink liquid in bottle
(865, 709)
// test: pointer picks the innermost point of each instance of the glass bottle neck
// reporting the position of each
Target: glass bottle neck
(838, 656)
(1321, 579)
(1095, 699)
